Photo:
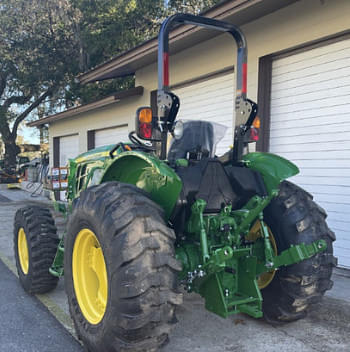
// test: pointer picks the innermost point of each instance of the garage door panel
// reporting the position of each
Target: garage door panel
(311, 147)
(212, 110)
(325, 181)
(335, 206)
(314, 112)
(208, 90)
(330, 81)
(227, 79)
(69, 148)
(338, 216)
(293, 155)
(324, 172)
(111, 136)
(333, 198)
(310, 105)
(313, 61)
(329, 189)
(337, 198)
(326, 77)
(342, 228)
(298, 98)
(320, 129)
(317, 138)
(337, 47)
(343, 255)
(335, 216)
(211, 100)
(225, 98)
(308, 73)
(325, 164)
(200, 101)
(318, 123)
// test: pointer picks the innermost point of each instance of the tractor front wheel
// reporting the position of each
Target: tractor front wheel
(120, 270)
(35, 246)
(295, 218)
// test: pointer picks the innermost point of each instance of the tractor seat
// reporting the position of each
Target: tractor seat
(198, 137)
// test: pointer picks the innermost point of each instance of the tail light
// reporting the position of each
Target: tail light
(254, 130)
(144, 120)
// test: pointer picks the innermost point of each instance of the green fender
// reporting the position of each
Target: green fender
(148, 173)
(273, 168)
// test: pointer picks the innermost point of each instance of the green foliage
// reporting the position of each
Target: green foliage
(38, 39)
(45, 44)
(191, 6)
(110, 27)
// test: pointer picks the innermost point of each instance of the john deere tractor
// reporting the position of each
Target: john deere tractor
(149, 216)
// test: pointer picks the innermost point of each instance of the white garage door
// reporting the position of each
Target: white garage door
(310, 125)
(69, 148)
(210, 100)
(111, 136)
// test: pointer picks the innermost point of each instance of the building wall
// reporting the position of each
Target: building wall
(120, 113)
(302, 22)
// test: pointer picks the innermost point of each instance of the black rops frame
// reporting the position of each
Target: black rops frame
(165, 98)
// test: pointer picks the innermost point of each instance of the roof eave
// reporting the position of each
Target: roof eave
(238, 12)
(109, 69)
(112, 99)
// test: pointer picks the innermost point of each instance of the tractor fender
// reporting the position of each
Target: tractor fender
(147, 173)
(273, 168)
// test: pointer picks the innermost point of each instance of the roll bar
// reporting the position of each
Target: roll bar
(167, 102)
(163, 48)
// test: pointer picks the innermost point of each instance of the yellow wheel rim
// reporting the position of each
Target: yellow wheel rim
(255, 232)
(23, 254)
(90, 276)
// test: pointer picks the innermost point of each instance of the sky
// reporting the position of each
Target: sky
(30, 134)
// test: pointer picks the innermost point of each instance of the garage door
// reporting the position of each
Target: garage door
(111, 136)
(69, 148)
(310, 125)
(210, 100)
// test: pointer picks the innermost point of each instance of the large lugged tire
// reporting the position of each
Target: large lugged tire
(294, 218)
(124, 298)
(35, 246)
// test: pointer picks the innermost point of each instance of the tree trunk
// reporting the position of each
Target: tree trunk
(11, 151)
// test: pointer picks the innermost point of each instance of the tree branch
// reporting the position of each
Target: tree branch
(27, 111)
(16, 99)
(3, 78)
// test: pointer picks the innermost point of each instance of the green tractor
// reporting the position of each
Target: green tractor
(145, 218)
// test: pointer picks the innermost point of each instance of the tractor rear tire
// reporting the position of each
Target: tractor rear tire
(35, 246)
(295, 218)
(137, 285)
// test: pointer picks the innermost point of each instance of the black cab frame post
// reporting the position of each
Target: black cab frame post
(163, 98)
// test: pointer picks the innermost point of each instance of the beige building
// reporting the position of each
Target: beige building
(298, 71)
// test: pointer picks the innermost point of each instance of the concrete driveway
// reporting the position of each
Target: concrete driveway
(325, 329)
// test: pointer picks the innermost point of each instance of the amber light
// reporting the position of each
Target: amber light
(145, 115)
(256, 122)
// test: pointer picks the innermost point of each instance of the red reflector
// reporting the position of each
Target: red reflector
(254, 134)
(165, 69)
(146, 130)
(244, 78)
